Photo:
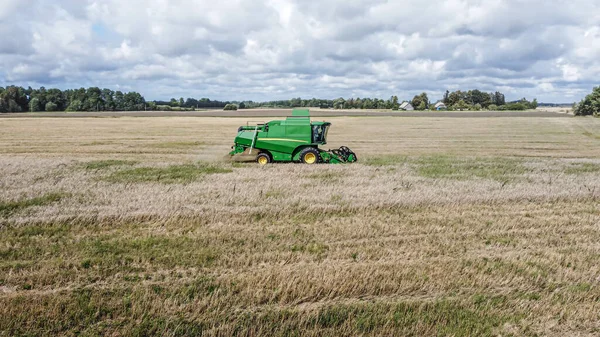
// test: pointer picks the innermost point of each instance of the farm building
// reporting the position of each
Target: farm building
(406, 106)
(440, 106)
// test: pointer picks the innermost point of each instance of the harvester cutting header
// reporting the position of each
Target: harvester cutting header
(295, 139)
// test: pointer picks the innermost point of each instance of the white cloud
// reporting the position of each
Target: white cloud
(272, 49)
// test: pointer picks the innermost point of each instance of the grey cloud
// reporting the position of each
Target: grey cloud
(276, 49)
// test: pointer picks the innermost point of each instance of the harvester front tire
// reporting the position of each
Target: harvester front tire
(309, 156)
(263, 159)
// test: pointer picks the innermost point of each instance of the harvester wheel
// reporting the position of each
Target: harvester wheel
(263, 158)
(310, 155)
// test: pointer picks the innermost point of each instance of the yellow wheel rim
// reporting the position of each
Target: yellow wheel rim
(263, 160)
(310, 158)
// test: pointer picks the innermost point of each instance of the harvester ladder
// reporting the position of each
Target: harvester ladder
(253, 139)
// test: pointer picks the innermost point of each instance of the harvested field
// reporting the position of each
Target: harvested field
(454, 227)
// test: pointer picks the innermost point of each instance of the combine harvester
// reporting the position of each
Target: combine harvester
(295, 139)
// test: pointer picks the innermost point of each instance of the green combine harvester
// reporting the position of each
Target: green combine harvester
(295, 139)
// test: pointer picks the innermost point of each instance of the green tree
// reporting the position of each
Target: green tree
(461, 105)
(119, 101)
(57, 97)
(108, 99)
(93, 100)
(534, 104)
(13, 99)
(498, 98)
(590, 105)
(446, 99)
(51, 106)
(420, 102)
(230, 107)
(339, 103)
(395, 104)
(75, 105)
(35, 105)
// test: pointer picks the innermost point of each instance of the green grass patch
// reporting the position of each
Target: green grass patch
(439, 318)
(103, 164)
(11, 207)
(582, 168)
(390, 160)
(174, 174)
(501, 169)
(155, 249)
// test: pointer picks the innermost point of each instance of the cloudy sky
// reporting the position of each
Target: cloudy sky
(279, 49)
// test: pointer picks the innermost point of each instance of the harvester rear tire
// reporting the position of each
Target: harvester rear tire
(310, 156)
(263, 158)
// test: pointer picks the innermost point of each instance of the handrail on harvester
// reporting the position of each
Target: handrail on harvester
(253, 139)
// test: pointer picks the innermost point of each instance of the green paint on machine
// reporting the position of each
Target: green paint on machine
(294, 139)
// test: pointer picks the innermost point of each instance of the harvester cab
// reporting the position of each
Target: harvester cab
(295, 139)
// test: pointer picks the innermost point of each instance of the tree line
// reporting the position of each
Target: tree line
(456, 100)
(19, 99)
(479, 100)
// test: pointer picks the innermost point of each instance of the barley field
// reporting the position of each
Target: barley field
(446, 227)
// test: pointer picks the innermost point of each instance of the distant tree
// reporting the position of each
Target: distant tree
(446, 99)
(479, 97)
(454, 97)
(590, 105)
(534, 104)
(420, 102)
(461, 105)
(119, 101)
(51, 106)
(395, 104)
(230, 107)
(108, 99)
(13, 99)
(181, 102)
(191, 103)
(242, 105)
(133, 101)
(57, 97)
(339, 103)
(174, 102)
(35, 105)
(93, 100)
(492, 107)
(499, 98)
(296, 102)
(75, 105)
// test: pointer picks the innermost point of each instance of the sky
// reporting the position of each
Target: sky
(279, 49)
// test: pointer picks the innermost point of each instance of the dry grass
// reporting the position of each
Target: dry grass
(455, 227)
